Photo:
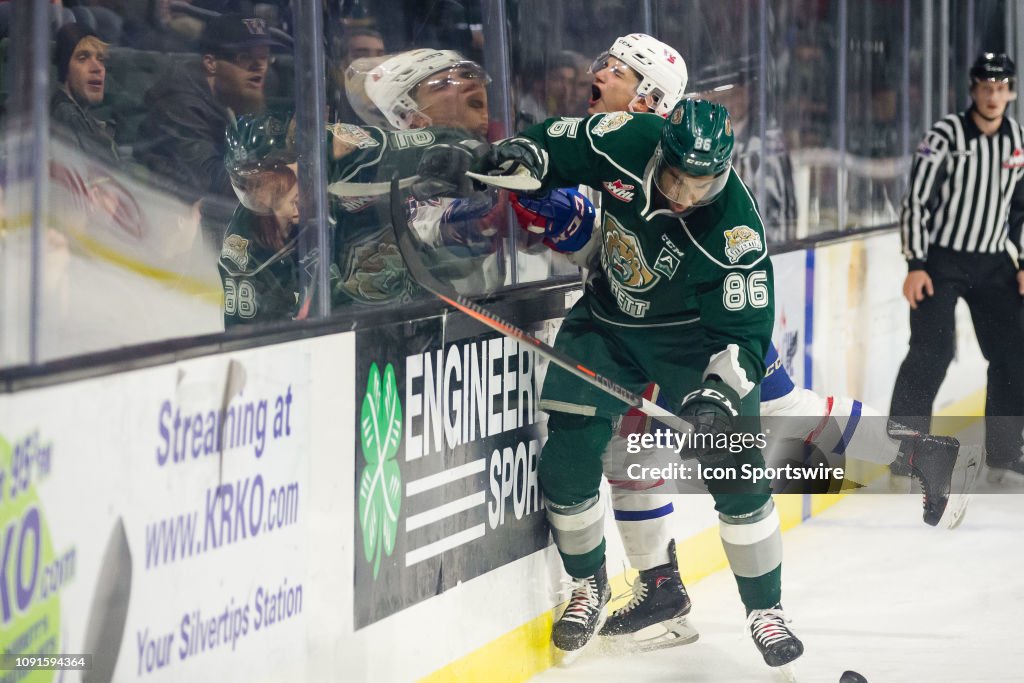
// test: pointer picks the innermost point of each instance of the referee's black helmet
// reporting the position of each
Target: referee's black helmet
(994, 66)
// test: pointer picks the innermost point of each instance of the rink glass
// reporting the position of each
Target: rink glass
(99, 256)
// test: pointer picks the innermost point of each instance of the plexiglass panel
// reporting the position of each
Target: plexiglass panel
(188, 169)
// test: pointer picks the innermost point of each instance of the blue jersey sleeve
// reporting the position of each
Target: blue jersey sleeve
(776, 382)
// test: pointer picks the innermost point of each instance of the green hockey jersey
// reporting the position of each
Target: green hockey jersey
(658, 269)
(262, 284)
(370, 269)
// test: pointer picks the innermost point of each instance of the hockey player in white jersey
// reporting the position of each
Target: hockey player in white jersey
(639, 73)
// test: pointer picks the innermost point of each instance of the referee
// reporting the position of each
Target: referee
(963, 208)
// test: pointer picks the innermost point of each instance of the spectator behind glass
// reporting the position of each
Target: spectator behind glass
(356, 43)
(552, 94)
(80, 58)
(759, 157)
(182, 135)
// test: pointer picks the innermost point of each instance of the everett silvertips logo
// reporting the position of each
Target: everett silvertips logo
(740, 240)
(610, 122)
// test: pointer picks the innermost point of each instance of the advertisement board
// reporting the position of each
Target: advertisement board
(155, 519)
(446, 462)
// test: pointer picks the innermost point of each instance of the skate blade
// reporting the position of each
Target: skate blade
(671, 633)
(965, 480)
(564, 658)
(787, 672)
(998, 475)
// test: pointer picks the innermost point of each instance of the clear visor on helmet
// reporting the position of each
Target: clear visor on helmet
(462, 74)
(264, 189)
(455, 97)
(606, 60)
(684, 190)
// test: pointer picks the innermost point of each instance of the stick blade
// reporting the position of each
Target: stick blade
(515, 183)
(109, 610)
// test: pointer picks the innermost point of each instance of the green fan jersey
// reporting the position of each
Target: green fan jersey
(659, 269)
(262, 284)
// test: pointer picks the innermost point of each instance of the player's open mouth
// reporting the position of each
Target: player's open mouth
(256, 81)
(595, 94)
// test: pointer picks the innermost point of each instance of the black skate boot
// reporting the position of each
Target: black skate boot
(585, 612)
(773, 638)
(1006, 471)
(658, 595)
(931, 460)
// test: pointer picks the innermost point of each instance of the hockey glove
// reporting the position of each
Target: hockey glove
(517, 157)
(442, 169)
(713, 410)
(467, 225)
(564, 216)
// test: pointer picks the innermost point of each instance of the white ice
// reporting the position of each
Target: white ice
(869, 588)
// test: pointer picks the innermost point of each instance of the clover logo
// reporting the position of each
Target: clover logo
(380, 487)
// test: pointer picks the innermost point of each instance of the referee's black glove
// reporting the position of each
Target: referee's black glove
(713, 410)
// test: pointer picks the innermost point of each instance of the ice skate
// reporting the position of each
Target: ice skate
(584, 614)
(656, 614)
(773, 638)
(658, 595)
(1009, 472)
(931, 460)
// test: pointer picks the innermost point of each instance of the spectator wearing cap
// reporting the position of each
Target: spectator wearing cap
(80, 58)
(356, 43)
(182, 135)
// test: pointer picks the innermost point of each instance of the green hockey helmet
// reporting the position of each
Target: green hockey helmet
(259, 147)
(695, 153)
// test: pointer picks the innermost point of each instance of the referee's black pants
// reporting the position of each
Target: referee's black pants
(988, 283)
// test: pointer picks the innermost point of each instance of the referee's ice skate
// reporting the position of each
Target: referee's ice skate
(1006, 472)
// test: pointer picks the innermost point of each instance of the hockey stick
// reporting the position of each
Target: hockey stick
(350, 189)
(515, 183)
(421, 274)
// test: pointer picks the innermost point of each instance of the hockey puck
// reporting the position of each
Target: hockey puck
(852, 677)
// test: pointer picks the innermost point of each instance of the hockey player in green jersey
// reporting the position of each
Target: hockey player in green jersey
(683, 298)
(410, 101)
(428, 97)
(260, 259)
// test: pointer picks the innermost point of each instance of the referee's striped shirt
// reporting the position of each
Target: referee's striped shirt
(964, 192)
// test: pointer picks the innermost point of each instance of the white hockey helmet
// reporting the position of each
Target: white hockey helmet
(661, 69)
(390, 83)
